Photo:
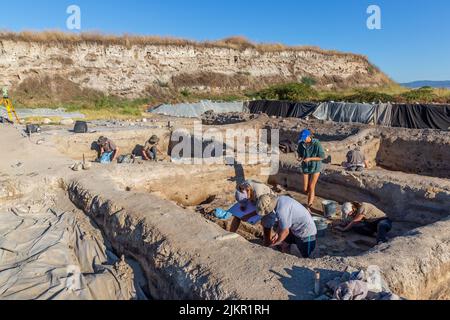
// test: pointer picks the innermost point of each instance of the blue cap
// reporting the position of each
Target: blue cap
(305, 134)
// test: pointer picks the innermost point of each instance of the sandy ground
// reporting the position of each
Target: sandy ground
(34, 201)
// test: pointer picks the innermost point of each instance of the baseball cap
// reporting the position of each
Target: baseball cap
(305, 134)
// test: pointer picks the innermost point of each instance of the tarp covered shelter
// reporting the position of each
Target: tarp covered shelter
(303, 109)
(345, 112)
(283, 109)
(420, 116)
(195, 110)
(383, 114)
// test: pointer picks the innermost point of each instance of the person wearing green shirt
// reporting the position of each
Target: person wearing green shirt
(311, 154)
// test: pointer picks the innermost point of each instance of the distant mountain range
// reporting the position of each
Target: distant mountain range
(426, 83)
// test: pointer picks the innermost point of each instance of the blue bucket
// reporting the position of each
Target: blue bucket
(222, 214)
(329, 208)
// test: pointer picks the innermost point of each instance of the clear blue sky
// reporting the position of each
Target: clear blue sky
(414, 43)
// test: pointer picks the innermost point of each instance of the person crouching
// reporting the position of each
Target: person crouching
(151, 150)
(367, 220)
(295, 223)
(249, 192)
(108, 150)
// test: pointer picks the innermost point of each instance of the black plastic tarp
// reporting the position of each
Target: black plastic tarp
(284, 109)
(420, 116)
(303, 109)
(258, 106)
(271, 108)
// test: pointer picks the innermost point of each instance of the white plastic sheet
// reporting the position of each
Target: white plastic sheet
(345, 112)
(43, 113)
(48, 255)
(383, 114)
(195, 110)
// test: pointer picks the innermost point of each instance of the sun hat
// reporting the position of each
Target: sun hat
(154, 139)
(266, 204)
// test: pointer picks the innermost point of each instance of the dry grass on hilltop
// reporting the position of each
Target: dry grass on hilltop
(237, 42)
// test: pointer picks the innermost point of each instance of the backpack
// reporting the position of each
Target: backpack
(32, 128)
(80, 127)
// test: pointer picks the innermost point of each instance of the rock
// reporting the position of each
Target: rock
(66, 122)
(46, 121)
(144, 120)
(77, 167)
(40, 141)
(374, 279)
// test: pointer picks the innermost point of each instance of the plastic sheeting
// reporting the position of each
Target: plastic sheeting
(345, 112)
(418, 116)
(195, 110)
(383, 114)
(50, 255)
(271, 108)
(43, 113)
(284, 109)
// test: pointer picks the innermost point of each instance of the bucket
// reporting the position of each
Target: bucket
(222, 214)
(329, 208)
(321, 225)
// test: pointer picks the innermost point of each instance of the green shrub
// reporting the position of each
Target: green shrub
(424, 95)
(290, 92)
(185, 93)
(309, 81)
(370, 96)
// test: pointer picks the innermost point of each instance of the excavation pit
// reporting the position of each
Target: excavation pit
(160, 215)
(204, 193)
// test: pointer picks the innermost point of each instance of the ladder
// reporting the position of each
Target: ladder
(9, 108)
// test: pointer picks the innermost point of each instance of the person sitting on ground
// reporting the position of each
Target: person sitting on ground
(151, 150)
(248, 192)
(356, 160)
(295, 223)
(311, 154)
(367, 220)
(108, 150)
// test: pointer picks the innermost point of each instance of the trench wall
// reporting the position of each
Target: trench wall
(184, 256)
(428, 158)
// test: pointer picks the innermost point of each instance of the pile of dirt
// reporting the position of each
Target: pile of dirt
(211, 118)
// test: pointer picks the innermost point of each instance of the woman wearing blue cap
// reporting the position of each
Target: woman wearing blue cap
(311, 154)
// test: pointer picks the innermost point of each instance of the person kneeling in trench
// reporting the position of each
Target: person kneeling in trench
(108, 150)
(367, 220)
(249, 192)
(356, 161)
(295, 223)
(151, 150)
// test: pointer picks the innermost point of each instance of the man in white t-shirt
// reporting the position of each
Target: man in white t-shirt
(295, 223)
